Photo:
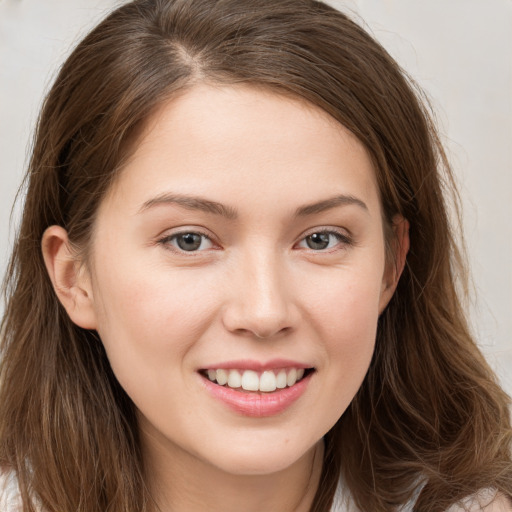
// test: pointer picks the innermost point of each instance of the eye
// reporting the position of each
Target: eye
(323, 240)
(188, 241)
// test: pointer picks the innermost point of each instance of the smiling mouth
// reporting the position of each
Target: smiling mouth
(267, 381)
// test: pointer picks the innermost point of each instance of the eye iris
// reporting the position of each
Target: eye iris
(318, 241)
(189, 241)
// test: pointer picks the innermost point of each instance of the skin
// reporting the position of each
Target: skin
(255, 290)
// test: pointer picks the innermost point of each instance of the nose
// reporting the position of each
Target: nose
(261, 303)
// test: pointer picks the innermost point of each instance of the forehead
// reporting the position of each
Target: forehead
(234, 142)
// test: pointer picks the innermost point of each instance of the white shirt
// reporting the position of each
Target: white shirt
(10, 500)
(9, 493)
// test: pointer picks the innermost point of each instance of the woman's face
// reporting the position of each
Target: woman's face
(242, 241)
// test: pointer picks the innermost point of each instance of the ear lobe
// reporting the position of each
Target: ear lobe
(70, 280)
(400, 247)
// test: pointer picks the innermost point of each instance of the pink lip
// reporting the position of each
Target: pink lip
(249, 364)
(257, 404)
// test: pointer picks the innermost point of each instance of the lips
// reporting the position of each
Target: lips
(255, 389)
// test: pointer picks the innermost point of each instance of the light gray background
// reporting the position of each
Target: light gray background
(460, 51)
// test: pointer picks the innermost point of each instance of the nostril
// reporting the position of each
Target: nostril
(268, 334)
(262, 333)
(260, 315)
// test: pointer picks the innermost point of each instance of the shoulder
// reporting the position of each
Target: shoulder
(10, 500)
(487, 500)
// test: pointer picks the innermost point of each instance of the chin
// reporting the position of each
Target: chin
(255, 459)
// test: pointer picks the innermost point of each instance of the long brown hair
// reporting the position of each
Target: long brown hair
(429, 419)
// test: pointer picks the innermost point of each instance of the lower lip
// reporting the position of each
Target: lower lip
(255, 404)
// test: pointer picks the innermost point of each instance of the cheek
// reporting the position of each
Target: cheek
(344, 304)
(148, 318)
(345, 316)
(149, 324)
(351, 339)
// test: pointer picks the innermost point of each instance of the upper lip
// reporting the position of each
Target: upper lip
(250, 364)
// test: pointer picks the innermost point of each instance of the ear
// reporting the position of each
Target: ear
(399, 248)
(70, 279)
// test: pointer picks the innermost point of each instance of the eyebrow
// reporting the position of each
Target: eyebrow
(209, 206)
(327, 204)
(191, 203)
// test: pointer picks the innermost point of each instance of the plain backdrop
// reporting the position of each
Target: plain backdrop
(459, 51)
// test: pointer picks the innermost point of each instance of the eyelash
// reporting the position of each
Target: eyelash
(167, 240)
(342, 239)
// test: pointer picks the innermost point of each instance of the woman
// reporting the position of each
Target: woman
(245, 294)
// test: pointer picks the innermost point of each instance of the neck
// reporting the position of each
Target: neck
(183, 483)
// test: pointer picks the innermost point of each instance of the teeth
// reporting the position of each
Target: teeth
(234, 379)
(291, 378)
(281, 379)
(250, 380)
(221, 377)
(268, 381)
